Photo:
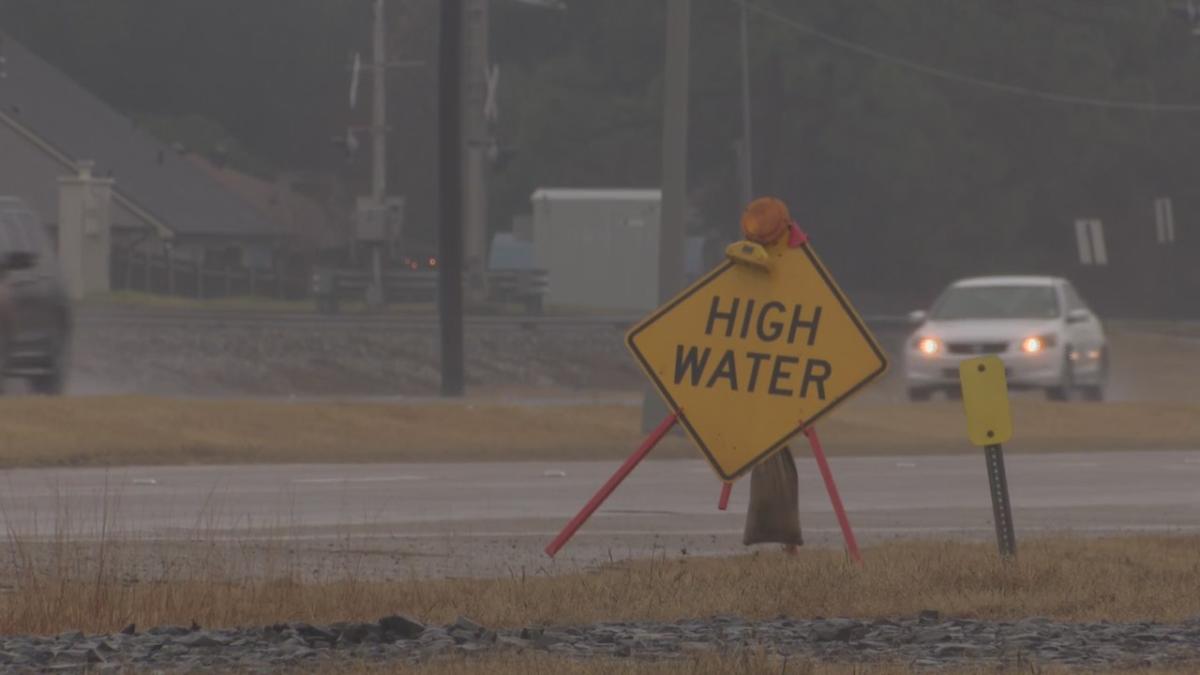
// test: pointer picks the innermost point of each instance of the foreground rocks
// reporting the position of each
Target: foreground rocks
(924, 641)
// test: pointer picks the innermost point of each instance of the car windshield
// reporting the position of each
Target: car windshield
(997, 302)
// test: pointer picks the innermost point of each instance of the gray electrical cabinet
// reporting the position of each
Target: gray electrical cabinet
(598, 246)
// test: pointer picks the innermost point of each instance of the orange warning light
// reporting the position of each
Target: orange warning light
(765, 220)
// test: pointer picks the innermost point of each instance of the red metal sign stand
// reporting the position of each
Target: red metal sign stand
(607, 489)
(847, 533)
(726, 490)
(653, 439)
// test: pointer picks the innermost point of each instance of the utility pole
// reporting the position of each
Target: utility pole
(674, 149)
(673, 213)
(379, 133)
(450, 169)
(476, 65)
(747, 165)
(377, 217)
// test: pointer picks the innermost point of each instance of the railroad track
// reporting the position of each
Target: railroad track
(107, 316)
(92, 316)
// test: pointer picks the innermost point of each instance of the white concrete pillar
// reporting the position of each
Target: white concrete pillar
(84, 231)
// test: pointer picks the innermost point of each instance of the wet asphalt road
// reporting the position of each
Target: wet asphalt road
(493, 518)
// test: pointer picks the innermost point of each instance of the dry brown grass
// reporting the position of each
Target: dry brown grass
(1039, 427)
(134, 430)
(1143, 578)
(137, 430)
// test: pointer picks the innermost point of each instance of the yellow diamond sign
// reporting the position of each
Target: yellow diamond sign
(755, 352)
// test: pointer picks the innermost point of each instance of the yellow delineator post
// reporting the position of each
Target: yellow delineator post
(989, 424)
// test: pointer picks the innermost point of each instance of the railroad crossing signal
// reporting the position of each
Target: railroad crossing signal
(755, 352)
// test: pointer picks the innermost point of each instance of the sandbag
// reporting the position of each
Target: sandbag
(774, 513)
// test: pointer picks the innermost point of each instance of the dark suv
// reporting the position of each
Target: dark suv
(35, 315)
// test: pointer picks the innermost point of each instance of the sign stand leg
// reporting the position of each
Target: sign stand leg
(607, 489)
(834, 497)
(726, 490)
(1006, 536)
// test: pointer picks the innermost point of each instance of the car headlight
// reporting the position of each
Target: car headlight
(929, 346)
(1038, 344)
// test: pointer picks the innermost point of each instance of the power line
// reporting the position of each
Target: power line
(969, 80)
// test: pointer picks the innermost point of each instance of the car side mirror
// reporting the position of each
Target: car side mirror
(18, 260)
(1079, 316)
(918, 317)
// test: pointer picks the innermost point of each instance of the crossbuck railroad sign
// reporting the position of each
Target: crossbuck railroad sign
(750, 355)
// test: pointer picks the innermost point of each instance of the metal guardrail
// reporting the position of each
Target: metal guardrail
(522, 287)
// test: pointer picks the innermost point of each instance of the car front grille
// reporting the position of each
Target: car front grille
(963, 348)
(952, 373)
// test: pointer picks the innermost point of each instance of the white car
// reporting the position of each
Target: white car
(1039, 326)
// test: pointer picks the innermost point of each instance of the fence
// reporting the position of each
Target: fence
(166, 275)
